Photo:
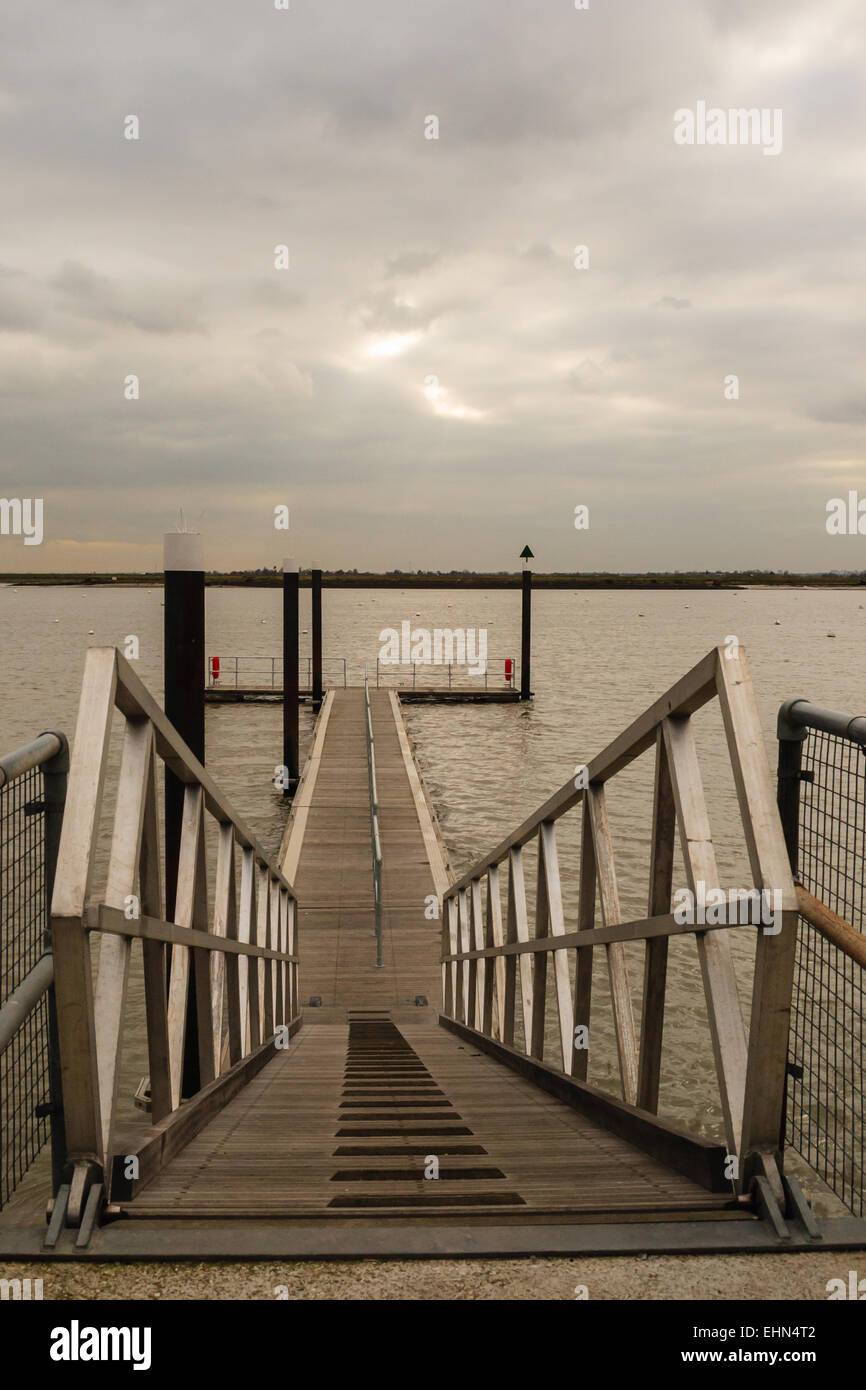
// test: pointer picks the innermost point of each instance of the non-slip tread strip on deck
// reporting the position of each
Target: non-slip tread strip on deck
(381, 1064)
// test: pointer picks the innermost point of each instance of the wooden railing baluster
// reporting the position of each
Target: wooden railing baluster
(656, 957)
(249, 965)
(110, 991)
(538, 959)
(263, 926)
(617, 966)
(477, 967)
(714, 948)
(495, 938)
(153, 952)
(465, 946)
(583, 966)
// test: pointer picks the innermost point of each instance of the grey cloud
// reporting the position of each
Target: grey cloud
(306, 127)
(410, 263)
(151, 309)
(539, 251)
(845, 410)
(19, 310)
(384, 312)
(588, 377)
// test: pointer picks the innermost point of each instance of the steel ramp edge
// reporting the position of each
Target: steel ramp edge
(232, 1241)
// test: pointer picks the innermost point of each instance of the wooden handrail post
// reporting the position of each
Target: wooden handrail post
(73, 973)
(776, 951)
(656, 958)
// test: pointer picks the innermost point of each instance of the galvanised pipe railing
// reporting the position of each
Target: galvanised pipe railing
(508, 682)
(266, 671)
(32, 798)
(822, 804)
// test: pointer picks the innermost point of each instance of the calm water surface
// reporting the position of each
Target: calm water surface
(598, 660)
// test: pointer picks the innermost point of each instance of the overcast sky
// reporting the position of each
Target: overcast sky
(413, 259)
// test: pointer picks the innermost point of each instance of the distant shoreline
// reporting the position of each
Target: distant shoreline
(271, 580)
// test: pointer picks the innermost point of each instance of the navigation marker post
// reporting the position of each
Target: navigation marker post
(526, 625)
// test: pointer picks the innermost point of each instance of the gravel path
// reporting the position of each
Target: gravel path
(664, 1277)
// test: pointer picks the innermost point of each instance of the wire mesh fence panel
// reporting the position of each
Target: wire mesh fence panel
(825, 1112)
(24, 1064)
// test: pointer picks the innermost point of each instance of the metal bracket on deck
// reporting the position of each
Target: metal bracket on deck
(79, 1204)
(792, 1216)
(768, 1207)
(84, 1174)
(767, 1186)
(798, 1211)
(766, 1164)
(90, 1219)
(57, 1208)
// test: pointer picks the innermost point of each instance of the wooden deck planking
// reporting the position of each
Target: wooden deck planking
(273, 1151)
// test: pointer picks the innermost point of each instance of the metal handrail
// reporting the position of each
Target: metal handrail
(50, 753)
(797, 716)
(15, 1010)
(34, 754)
(375, 838)
(43, 750)
(508, 682)
(232, 665)
(821, 794)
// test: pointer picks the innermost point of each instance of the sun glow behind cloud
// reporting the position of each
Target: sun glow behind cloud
(435, 393)
(392, 345)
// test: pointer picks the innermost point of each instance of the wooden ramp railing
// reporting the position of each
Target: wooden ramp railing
(495, 969)
(244, 958)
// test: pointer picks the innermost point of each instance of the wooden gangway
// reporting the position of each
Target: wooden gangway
(423, 1105)
(326, 854)
(345, 1120)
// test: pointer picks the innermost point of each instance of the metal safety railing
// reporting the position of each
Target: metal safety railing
(375, 838)
(500, 673)
(822, 801)
(32, 795)
(266, 672)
